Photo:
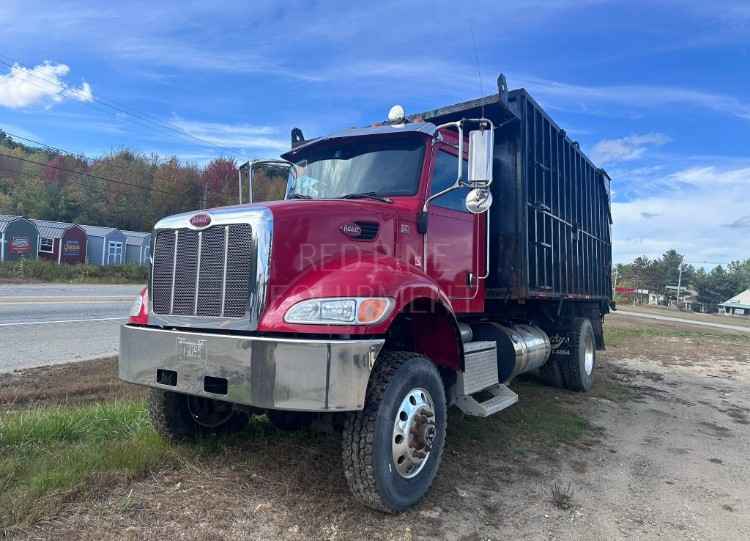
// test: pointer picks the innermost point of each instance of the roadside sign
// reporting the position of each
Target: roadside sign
(72, 247)
(20, 245)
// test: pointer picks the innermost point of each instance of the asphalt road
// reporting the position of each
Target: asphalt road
(43, 324)
(724, 326)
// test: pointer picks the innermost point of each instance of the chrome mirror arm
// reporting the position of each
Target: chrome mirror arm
(252, 164)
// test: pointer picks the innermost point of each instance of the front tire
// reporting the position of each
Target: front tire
(177, 416)
(392, 448)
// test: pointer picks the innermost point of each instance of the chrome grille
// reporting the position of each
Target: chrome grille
(161, 275)
(203, 273)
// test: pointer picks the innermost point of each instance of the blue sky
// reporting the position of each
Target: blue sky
(657, 92)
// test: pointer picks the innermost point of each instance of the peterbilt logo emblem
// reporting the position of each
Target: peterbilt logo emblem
(200, 220)
(351, 230)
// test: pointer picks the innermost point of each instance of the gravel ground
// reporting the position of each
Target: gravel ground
(663, 455)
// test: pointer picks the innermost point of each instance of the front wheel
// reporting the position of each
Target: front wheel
(178, 416)
(392, 448)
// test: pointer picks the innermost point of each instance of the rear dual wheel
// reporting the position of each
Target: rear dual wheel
(392, 448)
(573, 368)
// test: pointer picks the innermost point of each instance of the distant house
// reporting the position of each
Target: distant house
(137, 247)
(61, 242)
(19, 238)
(739, 305)
(656, 298)
(105, 245)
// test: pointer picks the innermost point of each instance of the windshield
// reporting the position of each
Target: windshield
(383, 166)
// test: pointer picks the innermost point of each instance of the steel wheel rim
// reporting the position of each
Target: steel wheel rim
(209, 413)
(413, 433)
(588, 355)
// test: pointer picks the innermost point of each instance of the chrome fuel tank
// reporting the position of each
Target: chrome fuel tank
(520, 348)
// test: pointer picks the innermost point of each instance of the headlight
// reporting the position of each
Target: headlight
(340, 311)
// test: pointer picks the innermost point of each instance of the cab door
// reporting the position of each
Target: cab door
(452, 257)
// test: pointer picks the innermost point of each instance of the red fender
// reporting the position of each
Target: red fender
(366, 275)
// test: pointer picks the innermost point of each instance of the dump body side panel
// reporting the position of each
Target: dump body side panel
(550, 221)
(565, 207)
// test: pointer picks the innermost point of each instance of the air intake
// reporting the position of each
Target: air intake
(369, 230)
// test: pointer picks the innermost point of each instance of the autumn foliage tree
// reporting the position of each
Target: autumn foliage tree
(139, 189)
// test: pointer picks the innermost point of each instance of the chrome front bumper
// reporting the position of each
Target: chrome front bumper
(274, 373)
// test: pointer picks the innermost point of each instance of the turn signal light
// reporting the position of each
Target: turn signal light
(372, 310)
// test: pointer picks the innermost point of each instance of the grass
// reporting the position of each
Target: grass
(52, 455)
(73, 453)
(542, 419)
(616, 337)
(48, 453)
(48, 271)
(562, 495)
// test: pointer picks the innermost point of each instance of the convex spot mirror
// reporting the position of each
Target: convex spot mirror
(478, 200)
(481, 148)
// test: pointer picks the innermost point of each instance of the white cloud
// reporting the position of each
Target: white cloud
(233, 136)
(185, 56)
(743, 222)
(626, 148)
(634, 96)
(708, 221)
(23, 87)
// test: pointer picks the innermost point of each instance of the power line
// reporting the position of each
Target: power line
(55, 150)
(61, 151)
(83, 174)
(144, 119)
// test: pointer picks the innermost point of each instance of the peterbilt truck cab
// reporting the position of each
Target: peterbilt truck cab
(412, 266)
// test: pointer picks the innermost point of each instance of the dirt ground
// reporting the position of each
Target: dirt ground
(662, 453)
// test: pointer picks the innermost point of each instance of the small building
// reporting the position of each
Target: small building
(19, 238)
(656, 299)
(137, 247)
(739, 305)
(61, 242)
(104, 245)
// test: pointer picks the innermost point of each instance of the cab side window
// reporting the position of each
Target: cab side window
(444, 173)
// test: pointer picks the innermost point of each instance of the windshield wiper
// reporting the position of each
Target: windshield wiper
(367, 195)
(299, 196)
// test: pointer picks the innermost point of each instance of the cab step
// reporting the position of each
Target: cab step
(478, 390)
(496, 398)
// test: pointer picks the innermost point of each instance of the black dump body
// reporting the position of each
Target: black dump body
(551, 221)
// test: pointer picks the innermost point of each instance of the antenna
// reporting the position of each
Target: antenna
(479, 67)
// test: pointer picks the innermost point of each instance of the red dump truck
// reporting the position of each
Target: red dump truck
(414, 265)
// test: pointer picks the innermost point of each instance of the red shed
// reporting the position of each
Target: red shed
(61, 242)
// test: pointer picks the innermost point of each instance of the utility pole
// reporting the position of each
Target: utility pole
(679, 284)
(614, 282)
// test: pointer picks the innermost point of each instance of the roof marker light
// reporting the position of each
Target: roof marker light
(396, 115)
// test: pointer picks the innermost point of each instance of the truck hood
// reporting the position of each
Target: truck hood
(311, 235)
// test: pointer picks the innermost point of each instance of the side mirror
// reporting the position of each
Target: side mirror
(481, 150)
(478, 200)
(269, 180)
